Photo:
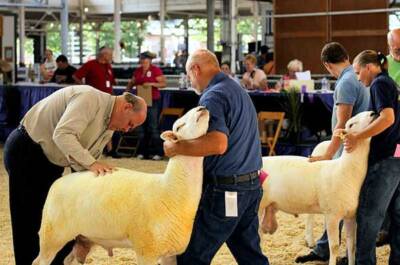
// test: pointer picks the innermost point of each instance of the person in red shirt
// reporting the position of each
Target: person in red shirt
(98, 73)
(149, 134)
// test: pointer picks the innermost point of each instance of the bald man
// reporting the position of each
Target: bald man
(231, 191)
(98, 72)
(69, 128)
(394, 55)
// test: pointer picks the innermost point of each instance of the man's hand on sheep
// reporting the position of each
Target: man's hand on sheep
(350, 142)
(319, 158)
(341, 133)
(100, 168)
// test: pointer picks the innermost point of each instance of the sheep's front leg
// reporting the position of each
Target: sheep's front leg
(332, 223)
(351, 226)
(309, 236)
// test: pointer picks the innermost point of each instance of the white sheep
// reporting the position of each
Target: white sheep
(151, 213)
(330, 187)
(319, 150)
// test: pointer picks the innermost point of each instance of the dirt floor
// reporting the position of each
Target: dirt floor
(281, 248)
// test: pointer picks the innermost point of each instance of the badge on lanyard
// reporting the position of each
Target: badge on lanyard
(148, 74)
(108, 84)
(231, 207)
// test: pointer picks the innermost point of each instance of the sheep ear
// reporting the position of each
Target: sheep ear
(169, 136)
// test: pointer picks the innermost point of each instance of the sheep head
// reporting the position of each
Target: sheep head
(190, 126)
(358, 123)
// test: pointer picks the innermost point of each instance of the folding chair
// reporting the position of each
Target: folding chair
(127, 142)
(270, 124)
(175, 112)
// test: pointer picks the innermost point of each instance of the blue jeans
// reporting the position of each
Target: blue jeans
(379, 193)
(149, 133)
(211, 228)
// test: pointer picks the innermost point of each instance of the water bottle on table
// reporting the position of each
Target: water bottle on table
(325, 85)
(182, 81)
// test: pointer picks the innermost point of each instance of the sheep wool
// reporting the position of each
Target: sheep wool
(330, 187)
(151, 213)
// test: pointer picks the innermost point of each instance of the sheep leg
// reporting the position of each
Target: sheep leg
(48, 253)
(171, 260)
(309, 236)
(146, 260)
(333, 237)
(50, 242)
(351, 226)
(269, 223)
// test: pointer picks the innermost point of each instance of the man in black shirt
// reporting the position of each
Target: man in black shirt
(64, 72)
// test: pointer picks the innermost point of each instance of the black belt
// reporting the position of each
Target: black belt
(22, 129)
(233, 179)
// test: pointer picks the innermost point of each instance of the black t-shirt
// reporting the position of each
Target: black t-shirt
(64, 76)
(384, 94)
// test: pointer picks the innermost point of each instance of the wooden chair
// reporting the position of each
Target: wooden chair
(270, 124)
(127, 143)
(176, 112)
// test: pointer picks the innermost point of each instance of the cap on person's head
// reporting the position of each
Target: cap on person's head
(147, 55)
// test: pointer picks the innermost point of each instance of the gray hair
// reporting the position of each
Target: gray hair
(102, 51)
(295, 65)
(136, 101)
(202, 57)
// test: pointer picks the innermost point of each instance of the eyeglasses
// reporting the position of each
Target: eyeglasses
(395, 51)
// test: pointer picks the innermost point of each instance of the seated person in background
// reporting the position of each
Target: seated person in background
(226, 69)
(48, 67)
(64, 72)
(265, 61)
(147, 74)
(292, 67)
(253, 78)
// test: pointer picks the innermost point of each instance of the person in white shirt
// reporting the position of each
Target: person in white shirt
(253, 78)
(49, 66)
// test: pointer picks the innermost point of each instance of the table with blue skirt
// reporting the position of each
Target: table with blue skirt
(316, 108)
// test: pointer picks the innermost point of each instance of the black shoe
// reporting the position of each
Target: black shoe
(382, 238)
(342, 261)
(113, 154)
(310, 257)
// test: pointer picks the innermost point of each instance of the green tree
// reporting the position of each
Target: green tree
(53, 41)
(198, 31)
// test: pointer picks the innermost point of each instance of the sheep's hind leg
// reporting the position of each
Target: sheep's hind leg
(50, 243)
(351, 226)
(171, 260)
(146, 260)
(47, 252)
(309, 235)
(332, 223)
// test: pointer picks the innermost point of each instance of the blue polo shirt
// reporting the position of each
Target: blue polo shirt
(384, 94)
(349, 91)
(232, 112)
